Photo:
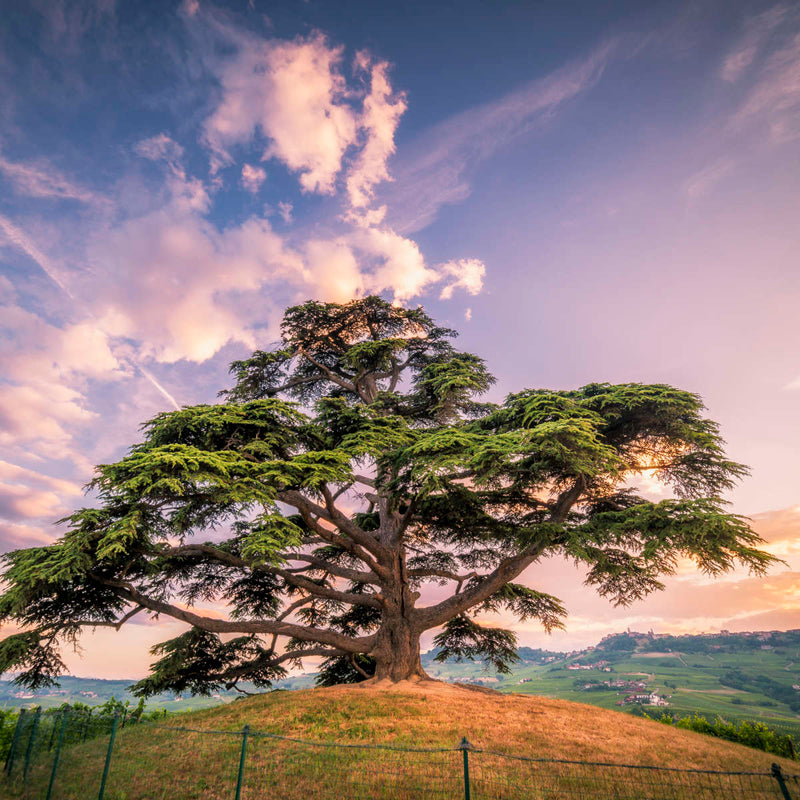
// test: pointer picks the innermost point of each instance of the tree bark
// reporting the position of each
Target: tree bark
(397, 652)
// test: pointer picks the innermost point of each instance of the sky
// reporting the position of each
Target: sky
(586, 191)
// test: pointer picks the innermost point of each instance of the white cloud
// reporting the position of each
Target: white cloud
(294, 94)
(392, 263)
(332, 271)
(252, 178)
(168, 275)
(379, 120)
(466, 274)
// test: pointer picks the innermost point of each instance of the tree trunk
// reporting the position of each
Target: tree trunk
(397, 652)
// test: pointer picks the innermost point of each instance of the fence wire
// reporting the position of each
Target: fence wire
(503, 777)
(74, 756)
(360, 772)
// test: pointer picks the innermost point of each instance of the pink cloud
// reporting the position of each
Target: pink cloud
(27, 494)
(159, 148)
(41, 179)
(705, 179)
(252, 178)
(466, 274)
(294, 94)
(379, 120)
(41, 402)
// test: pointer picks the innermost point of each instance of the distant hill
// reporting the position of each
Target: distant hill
(737, 676)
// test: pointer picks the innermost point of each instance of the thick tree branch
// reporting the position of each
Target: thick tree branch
(349, 530)
(340, 572)
(506, 571)
(329, 374)
(291, 577)
(304, 633)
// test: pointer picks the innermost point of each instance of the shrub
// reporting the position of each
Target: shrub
(751, 734)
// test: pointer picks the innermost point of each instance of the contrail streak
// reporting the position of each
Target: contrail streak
(158, 386)
(19, 239)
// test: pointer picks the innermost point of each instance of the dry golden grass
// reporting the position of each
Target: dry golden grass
(433, 714)
(155, 762)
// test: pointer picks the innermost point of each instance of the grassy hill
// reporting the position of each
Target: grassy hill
(196, 755)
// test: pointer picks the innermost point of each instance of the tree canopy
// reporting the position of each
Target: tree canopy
(350, 468)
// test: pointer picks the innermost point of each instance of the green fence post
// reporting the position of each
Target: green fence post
(58, 753)
(52, 736)
(465, 747)
(86, 725)
(242, 756)
(12, 751)
(778, 775)
(29, 748)
(108, 757)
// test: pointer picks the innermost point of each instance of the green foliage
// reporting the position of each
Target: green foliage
(272, 534)
(8, 721)
(199, 662)
(630, 548)
(752, 734)
(348, 468)
(464, 639)
(762, 684)
(342, 669)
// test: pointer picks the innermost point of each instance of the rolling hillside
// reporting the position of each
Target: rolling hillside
(736, 676)
(197, 755)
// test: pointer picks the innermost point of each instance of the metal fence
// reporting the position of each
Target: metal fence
(72, 756)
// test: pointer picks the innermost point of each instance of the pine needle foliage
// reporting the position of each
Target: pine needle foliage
(347, 470)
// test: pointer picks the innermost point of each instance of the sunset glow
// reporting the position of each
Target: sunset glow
(609, 195)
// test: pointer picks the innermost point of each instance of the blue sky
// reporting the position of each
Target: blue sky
(588, 191)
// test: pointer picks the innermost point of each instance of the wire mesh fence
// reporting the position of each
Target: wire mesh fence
(74, 756)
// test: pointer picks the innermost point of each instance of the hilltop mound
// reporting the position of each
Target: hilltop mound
(197, 754)
(434, 714)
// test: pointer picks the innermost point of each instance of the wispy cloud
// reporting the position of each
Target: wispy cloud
(704, 180)
(149, 376)
(40, 179)
(772, 101)
(435, 169)
(757, 31)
